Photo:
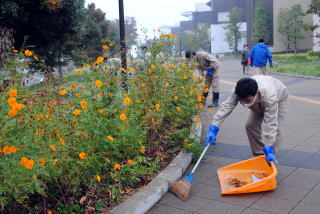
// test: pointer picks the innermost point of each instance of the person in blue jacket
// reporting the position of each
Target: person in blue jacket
(259, 56)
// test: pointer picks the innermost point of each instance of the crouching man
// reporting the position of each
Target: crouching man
(267, 99)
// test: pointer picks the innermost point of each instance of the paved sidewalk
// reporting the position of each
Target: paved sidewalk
(298, 172)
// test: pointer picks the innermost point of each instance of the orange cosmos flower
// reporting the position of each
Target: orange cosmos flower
(152, 66)
(171, 36)
(63, 92)
(53, 148)
(13, 112)
(142, 85)
(11, 100)
(101, 111)
(178, 108)
(110, 138)
(72, 86)
(105, 47)
(127, 100)
(36, 58)
(28, 53)
(98, 178)
(143, 149)
(98, 83)
(176, 97)
(116, 167)
(79, 72)
(13, 92)
(123, 117)
(76, 112)
(99, 60)
(82, 156)
(41, 161)
(185, 140)
(157, 106)
(197, 120)
(130, 162)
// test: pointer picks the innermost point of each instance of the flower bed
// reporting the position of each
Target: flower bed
(85, 143)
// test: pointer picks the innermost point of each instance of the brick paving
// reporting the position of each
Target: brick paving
(299, 163)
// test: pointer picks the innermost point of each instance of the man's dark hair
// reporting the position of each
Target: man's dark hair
(246, 87)
(189, 53)
(261, 40)
(245, 45)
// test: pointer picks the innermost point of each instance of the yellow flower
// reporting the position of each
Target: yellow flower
(98, 178)
(131, 70)
(72, 86)
(201, 106)
(110, 138)
(55, 161)
(85, 65)
(111, 44)
(110, 94)
(157, 106)
(152, 66)
(101, 111)
(34, 177)
(36, 58)
(82, 156)
(171, 36)
(123, 116)
(76, 112)
(28, 53)
(178, 108)
(131, 162)
(149, 71)
(13, 92)
(53, 148)
(63, 92)
(99, 60)
(185, 76)
(98, 83)
(49, 212)
(176, 97)
(105, 47)
(143, 149)
(77, 94)
(137, 101)
(165, 67)
(83, 103)
(127, 100)
(116, 167)
(15, 51)
(123, 70)
(61, 141)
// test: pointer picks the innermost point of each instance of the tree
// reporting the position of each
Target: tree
(290, 25)
(313, 9)
(130, 29)
(197, 39)
(261, 24)
(233, 34)
(48, 27)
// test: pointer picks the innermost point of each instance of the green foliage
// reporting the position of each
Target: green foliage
(88, 137)
(290, 25)
(130, 30)
(261, 23)
(313, 9)
(233, 34)
(309, 68)
(197, 39)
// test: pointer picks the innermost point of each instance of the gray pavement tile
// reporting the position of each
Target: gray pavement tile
(207, 191)
(317, 187)
(167, 197)
(287, 192)
(244, 200)
(166, 210)
(286, 170)
(306, 209)
(192, 204)
(201, 177)
(254, 211)
(301, 182)
(307, 173)
(306, 148)
(294, 158)
(275, 205)
(313, 197)
(220, 208)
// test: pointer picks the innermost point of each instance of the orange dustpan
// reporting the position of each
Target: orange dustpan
(253, 175)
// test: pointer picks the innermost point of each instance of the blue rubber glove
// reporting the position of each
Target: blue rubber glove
(211, 136)
(270, 156)
(210, 71)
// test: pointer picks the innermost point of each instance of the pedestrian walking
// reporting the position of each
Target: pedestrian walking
(259, 56)
(209, 66)
(245, 59)
(267, 99)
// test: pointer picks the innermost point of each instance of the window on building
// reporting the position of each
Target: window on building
(223, 16)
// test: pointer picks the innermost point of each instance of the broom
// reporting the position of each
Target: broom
(182, 187)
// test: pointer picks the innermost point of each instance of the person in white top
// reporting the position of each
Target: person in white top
(267, 99)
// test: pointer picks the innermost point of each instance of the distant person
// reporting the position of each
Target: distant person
(209, 66)
(245, 59)
(259, 55)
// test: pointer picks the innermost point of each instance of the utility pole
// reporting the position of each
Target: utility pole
(123, 49)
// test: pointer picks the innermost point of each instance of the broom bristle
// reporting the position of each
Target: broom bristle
(181, 188)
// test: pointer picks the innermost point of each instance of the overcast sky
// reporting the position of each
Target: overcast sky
(149, 14)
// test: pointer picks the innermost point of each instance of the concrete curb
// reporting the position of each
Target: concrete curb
(294, 75)
(142, 201)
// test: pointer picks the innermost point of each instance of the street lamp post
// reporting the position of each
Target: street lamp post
(123, 50)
